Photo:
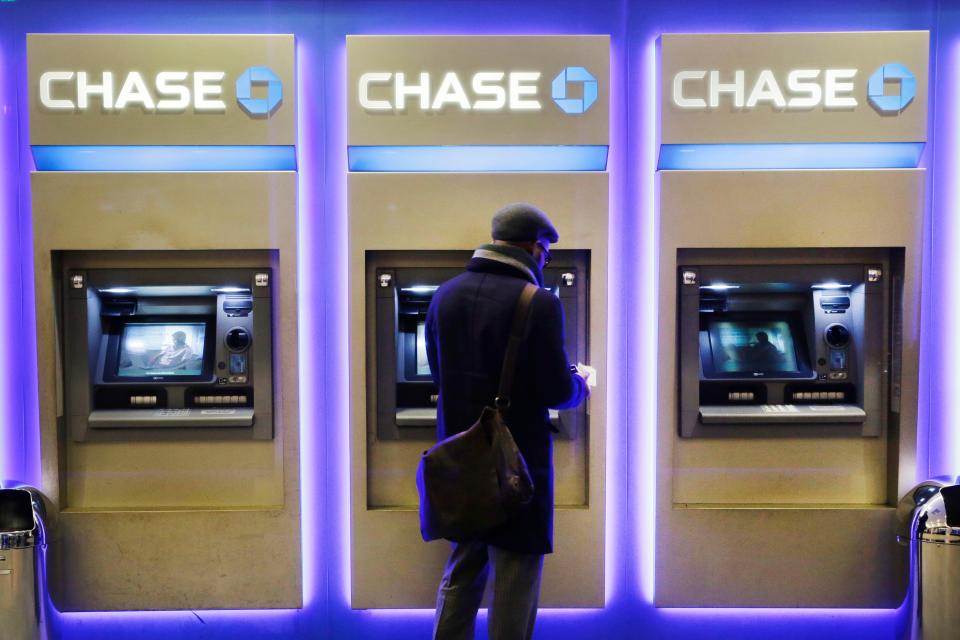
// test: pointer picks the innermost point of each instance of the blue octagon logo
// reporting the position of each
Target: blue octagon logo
(895, 103)
(259, 107)
(559, 90)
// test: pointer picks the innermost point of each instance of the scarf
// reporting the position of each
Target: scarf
(514, 257)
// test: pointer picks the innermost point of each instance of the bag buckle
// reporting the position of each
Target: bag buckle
(501, 403)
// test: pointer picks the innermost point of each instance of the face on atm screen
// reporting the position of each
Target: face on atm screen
(168, 349)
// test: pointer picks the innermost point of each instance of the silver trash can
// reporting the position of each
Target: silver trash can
(22, 564)
(929, 518)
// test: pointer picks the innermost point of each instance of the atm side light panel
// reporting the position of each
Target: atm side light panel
(815, 155)
(470, 158)
(165, 158)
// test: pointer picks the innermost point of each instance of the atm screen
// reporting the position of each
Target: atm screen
(748, 347)
(161, 349)
(423, 365)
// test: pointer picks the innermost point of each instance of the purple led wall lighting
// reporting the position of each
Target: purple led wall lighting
(12, 443)
(8, 216)
(616, 535)
(944, 442)
(311, 459)
(645, 309)
(338, 355)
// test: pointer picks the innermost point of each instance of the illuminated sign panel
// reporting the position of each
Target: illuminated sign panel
(170, 90)
(858, 87)
(433, 91)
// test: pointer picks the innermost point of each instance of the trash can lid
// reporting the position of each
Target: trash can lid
(18, 527)
(936, 516)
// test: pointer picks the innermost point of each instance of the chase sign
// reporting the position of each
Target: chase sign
(823, 87)
(480, 91)
(167, 90)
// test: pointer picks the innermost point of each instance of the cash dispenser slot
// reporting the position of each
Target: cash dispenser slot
(781, 414)
(425, 417)
(164, 418)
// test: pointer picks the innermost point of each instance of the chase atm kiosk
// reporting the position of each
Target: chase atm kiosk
(167, 353)
(166, 286)
(789, 256)
(423, 184)
(777, 350)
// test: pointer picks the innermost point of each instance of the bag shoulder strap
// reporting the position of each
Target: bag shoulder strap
(520, 314)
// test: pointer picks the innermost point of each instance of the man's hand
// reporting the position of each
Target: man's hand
(588, 373)
(584, 372)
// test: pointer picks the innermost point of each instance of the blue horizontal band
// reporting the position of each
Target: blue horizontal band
(479, 158)
(812, 155)
(165, 158)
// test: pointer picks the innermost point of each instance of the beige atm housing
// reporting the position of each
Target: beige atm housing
(159, 507)
(781, 492)
(426, 225)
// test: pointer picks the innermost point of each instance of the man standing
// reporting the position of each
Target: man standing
(468, 327)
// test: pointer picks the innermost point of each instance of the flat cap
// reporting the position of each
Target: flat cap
(523, 222)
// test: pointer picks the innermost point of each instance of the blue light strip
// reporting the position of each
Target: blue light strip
(165, 158)
(479, 158)
(815, 155)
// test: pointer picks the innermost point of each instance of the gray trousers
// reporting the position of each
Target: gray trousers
(516, 589)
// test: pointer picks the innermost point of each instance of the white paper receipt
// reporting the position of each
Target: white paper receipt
(591, 373)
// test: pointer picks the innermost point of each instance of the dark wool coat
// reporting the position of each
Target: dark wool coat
(468, 327)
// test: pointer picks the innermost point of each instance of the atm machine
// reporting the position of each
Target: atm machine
(395, 268)
(164, 271)
(400, 286)
(788, 269)
(787, 372)
(167, 354)
(168, 387)
(424, 182)
(770, 350)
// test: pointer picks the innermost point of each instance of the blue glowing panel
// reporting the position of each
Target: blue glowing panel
(479, 158)
(814, 155)
(165, 158)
